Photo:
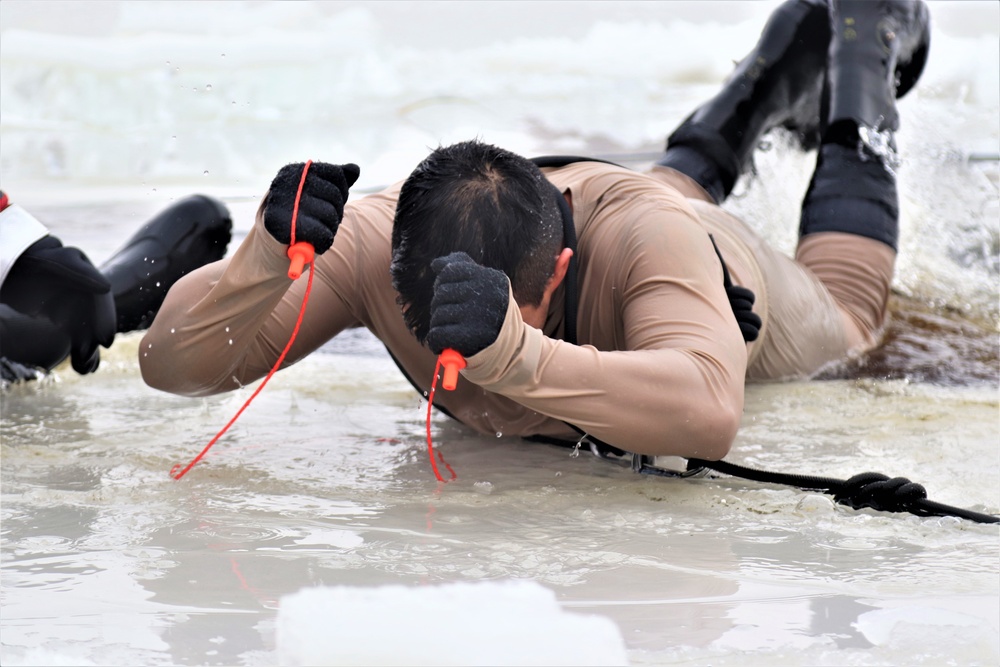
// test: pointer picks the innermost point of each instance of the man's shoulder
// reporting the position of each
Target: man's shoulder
(608, 195)
(368, 215)
(587, 169)
(601, 180)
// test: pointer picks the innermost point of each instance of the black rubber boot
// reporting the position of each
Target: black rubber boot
(853, 194)
(779, 83)
(189, 234)
(877, 53)
(876, 48)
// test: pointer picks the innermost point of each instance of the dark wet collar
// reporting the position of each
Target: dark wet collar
(568, 291)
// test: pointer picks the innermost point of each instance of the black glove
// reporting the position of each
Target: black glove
(61, 284)
(741, 300)
(320, 207)
(468, 307)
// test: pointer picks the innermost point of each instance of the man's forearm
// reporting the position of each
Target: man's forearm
(663, 401)
(207, 338)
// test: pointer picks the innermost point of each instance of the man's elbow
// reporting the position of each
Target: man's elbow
(713, 409)
(703, 434)
(173, 381)
(164, 370)
(161, 376)
(718, 435)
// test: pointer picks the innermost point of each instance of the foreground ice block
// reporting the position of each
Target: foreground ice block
(486, 623)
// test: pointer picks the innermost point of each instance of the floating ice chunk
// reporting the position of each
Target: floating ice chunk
(907, 625)
(487, 623)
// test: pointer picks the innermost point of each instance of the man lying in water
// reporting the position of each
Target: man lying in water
(587, 297)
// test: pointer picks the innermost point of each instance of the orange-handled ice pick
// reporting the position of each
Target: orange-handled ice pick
(299, 253)
(453, 362)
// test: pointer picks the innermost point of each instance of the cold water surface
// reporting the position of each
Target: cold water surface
(325, 481)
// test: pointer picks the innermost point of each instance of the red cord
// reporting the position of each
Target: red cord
(295, 206)
(430, 441)
(274, 369)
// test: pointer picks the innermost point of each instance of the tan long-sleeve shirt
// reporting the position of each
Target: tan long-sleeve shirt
(660, 364)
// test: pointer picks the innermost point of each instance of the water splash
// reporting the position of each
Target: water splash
(878, 144)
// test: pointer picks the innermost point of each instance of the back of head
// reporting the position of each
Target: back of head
(472, 197)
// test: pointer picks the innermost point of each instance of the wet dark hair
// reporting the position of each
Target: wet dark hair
(492, 204)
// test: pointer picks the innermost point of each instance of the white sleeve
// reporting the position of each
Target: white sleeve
(18, 230)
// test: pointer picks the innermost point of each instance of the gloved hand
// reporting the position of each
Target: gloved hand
(320, 208)
(468, 307)
(61, 284)
(741, 299)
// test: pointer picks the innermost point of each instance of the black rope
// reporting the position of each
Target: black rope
(867, 489)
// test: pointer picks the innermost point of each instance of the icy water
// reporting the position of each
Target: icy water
(325, 481)
(112, 111)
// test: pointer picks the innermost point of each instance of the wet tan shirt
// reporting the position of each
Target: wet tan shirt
(660, 363)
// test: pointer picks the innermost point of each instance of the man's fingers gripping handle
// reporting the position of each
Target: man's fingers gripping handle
(324, 190)
(468, 307)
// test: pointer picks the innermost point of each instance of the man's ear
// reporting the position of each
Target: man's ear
(559, 273)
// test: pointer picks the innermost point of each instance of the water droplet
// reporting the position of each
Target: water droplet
(227, 329)
(230, 341)
(208, 87)
(173, 331)
(499, 434)
(149, 345)
(157, 283)
(205, 173)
